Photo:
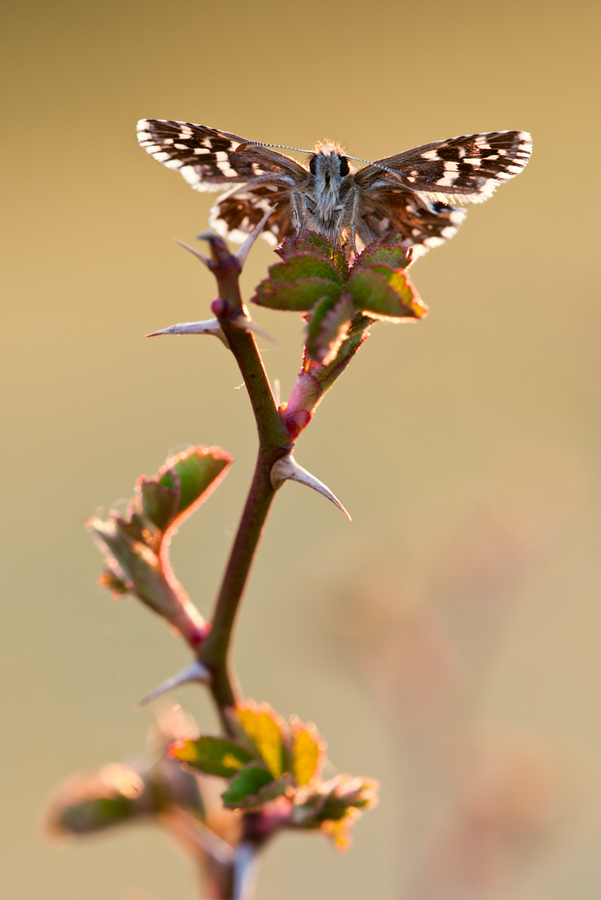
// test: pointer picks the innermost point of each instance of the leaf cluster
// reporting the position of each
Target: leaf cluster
(337, 298)
(274, 766)
(135, 546)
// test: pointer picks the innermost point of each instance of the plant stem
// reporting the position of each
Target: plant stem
(215, 651)
(274, 442)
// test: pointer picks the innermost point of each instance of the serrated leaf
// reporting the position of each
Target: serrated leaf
(312, 242)
(385, 293)
(304, 265)
(214, 756)
(134, 526)
(345, 793)
(94, 801)
(308, 750)
(266, 794)
(299, 296)
(136, 566)
(385, 253)
(160, 501)
(116, 548)
(328, 327)
(266, 730)
(95, 815)
(246, 783)
(199, 470)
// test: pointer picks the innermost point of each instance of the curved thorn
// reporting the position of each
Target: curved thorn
(287, 469)
(194, 672)
(208, 326)
(246, 324)
(244, 250)
(204, 259)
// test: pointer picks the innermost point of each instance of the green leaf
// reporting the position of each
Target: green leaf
(344, 793)
(299, 296)
(198, 470)
(271, 791)
(116, 548)
(246, 783)
(312, 242)
(385, 293)
(95, 815)
(134, 526)
(136, 567)
(386, 253)
(214, 756)
(328, 327)
(94, 801)
(266, 730)
(160, 501)
(304, 265)
(308, 750)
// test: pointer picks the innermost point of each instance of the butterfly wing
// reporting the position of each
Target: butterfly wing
(212, 160)
(240, 210)
(464, 169)
(422, 224)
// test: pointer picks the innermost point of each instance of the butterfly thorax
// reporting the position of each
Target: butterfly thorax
(328, 194)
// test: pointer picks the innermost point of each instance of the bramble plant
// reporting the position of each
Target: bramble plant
(271, 769)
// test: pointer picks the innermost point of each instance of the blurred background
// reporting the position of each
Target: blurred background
(447, 642)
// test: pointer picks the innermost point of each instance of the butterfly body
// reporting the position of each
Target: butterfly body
(416, 193)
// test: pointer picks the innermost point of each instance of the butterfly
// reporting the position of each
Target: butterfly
(417, 194)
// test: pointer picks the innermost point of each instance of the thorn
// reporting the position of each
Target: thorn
(204, 259)
(244, 323)
(194, 672)
(244, 250)
(287, 469)
(246, 861)
(276, 392)
(209, 326)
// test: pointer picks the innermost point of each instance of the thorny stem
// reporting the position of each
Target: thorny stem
(274, 442)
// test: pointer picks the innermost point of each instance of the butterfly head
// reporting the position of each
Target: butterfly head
(328, 165)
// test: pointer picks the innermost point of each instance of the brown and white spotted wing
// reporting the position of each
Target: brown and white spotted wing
(240, 210)
(212, 160)
(464, 169)
(423, 224)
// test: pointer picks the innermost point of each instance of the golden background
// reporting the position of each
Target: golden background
(492, 400)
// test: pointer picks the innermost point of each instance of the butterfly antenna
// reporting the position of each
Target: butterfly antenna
(378, 166)
(275, 146)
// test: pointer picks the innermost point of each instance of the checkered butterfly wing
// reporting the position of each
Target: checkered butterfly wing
(238, 211)
(440, 175)
(464, 169)
(212, 160)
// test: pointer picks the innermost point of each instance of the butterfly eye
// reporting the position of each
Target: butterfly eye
(313, 165)
(344, 168)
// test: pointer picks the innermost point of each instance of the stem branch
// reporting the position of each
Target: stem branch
(274, 442)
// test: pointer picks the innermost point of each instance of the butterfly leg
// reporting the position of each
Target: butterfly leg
(338, 225)
(354, 219)
(299, 217)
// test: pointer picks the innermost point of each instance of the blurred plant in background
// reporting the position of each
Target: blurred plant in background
(421, 621)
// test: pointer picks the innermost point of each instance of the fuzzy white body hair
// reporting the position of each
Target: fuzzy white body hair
(328, 200)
